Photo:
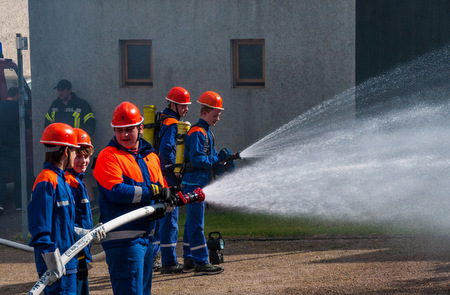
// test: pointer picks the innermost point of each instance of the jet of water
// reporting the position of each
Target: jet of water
(392, 166)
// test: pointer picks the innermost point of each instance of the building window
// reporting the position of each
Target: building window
(248, 63)
(137, 64)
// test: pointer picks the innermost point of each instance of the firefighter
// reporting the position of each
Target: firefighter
(70, 109)
(51, 214)
(83, 216)
(201, 161)
(129, 177)
(178, 105)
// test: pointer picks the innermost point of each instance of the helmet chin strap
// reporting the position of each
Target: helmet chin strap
(176, 109)
(67, 160)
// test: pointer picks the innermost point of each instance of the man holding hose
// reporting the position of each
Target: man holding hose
(129, 177)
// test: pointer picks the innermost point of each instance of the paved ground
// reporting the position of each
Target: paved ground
(321, 265)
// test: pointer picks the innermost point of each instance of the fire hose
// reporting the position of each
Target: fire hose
(96, 257)
(107, 227)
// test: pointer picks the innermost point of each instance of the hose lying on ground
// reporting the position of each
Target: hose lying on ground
(96, 257)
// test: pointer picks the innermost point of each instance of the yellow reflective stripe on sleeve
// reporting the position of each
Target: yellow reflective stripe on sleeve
(50, 118)
(87, 117)
(76, 120)
(155, 189)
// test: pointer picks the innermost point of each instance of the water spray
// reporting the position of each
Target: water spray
(389, 166)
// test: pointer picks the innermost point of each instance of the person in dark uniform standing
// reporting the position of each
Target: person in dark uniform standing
(70, 109)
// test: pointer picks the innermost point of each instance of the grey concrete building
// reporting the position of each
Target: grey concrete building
(309, 56)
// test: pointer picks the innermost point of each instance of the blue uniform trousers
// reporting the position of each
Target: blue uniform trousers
(130, 265)
(169, 237)
(67, 284)
(194, 242)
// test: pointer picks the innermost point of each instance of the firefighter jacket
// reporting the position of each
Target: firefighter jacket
(168, 145)
(51, 216)
(77, 113)
(83, 215)
(127, 180)
(202, 157)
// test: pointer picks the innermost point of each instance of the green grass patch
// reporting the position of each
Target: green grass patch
(233, 224)
(256, 225)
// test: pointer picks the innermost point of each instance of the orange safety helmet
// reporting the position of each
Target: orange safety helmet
(83, 138)
(126, 114)
(60, 134)
(179, 95)
(211, 99)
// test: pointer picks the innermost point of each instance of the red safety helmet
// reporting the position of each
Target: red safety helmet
(60, 134)
(83, 138)
(179, 95)
(211, 99)
(126, 114)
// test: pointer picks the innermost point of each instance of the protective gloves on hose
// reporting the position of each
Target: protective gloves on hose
(226, 156)
(165, 195)
(54, 265)
(97, 237)
(226, 162)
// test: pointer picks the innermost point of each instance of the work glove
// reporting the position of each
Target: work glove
(224, 154)
(158, 214)
(230, 166)
(219, 168)
(97, 237)
(54, 265)
(169, 197)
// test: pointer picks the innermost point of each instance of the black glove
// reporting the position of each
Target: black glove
(169, 197)
(159, 213)
(224, 154)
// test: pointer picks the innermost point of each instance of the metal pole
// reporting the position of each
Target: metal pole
(23, 148)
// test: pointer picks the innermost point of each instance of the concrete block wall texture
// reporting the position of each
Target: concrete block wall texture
(14, 20)
(309, 58)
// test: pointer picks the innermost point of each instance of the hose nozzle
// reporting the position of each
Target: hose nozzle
(237, 156)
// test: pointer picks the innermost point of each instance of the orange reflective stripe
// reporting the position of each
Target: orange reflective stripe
(47, 176)
(112, 164)
(170, 121)
(154, 169)
(71, 180)
(197, 129)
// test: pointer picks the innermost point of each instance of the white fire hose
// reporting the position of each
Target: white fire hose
(87, 239)
(96, 257)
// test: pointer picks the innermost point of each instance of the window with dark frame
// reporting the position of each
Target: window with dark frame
(248, 63)
(137, 63)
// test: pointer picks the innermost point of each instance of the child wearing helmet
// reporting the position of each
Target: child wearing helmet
(51, 214)
(201, 159)
(178, 100)
(83, 216)
(129, 177)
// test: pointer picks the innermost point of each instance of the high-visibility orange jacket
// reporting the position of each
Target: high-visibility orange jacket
(127, 180)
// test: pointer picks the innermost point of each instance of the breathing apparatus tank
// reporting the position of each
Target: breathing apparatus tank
(183, 129)
(149, 123)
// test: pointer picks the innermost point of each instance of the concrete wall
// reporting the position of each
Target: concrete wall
(13, 20)
(309, 49)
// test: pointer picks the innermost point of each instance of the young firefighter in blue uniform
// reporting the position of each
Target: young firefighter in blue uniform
(51, 214)
(129, 177)
(201, 160)
(179, 100)
(83, 215)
